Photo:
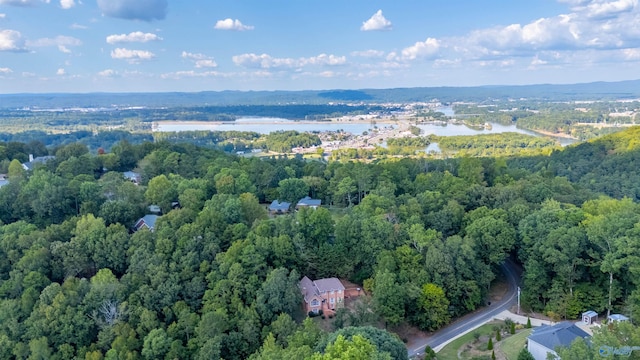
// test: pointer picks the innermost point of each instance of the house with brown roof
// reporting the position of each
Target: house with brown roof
(323, 294)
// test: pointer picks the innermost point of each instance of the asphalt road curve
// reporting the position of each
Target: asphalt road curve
(477, 318)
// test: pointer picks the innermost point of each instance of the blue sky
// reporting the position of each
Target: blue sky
(197, 45)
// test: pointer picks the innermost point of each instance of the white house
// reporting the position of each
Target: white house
(546, 339)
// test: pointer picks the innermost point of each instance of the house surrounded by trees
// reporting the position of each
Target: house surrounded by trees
(322, 294)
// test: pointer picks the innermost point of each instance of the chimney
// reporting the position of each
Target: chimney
(30, 157)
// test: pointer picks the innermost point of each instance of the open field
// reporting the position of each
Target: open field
(512, 345)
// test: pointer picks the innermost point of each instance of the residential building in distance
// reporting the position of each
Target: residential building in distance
(308, 202)
(40, 160)
(147, 221)
(134, 177)
(279, 207)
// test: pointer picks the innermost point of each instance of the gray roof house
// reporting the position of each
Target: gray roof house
(148, 221)
(322, 294)
(36, 161)
(308, 202)
(279, 207)
(134, 177)
(545, 339)
(3, 180)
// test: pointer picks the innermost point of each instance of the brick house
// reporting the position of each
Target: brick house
(324, 294)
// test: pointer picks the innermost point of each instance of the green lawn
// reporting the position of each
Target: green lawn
(450, 352)
(512, 345)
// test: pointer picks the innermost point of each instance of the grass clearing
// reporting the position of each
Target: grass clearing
(512, 345)
(450, 352)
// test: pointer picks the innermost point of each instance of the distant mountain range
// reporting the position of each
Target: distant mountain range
(545, 92)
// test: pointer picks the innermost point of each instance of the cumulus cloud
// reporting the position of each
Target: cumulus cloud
(67, 4)
(132, 56)
(230, 24)
(61, 72)
(200, 60)
(11, 40)
(208, 63)
(3, 15)
(5, 70)
(602, 8)
(146, 10)
(108, 73)
(136, 36)
(592, 26)
(61, 42)
(192, 56)
(266, 61)
(376, 22)
(368, 53)
(421, 49)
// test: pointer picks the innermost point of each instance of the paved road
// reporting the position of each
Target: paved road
(473, 320)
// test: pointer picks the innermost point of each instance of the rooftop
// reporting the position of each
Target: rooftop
(307, 201)
(279, 206)
(561, 334)
(315, 288)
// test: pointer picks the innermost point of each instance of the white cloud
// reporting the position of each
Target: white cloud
(132, 56)
(28, 74)
(146, 10)
(3, 15)
(192, 56)
(200, 60)
(422, 49)
(5, 70)
(75, 26)
(230, 24)
(67, 4)
(64, 49)
(265, 61)
(207, 63)
(57, 41)
(108, 73)
(602, 8)
(136, 36)
(368, 53)
(61, 72)
(11, 40)
(631, 54)
(376, 22)
(537, 62)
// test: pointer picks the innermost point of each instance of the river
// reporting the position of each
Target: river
(265, 125)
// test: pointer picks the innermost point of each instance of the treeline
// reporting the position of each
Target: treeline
(553, 117)
(503, 144)
(218, 278)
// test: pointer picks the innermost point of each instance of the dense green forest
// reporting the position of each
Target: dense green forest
(218, 277)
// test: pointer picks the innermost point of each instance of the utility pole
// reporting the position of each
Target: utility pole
(518, 300)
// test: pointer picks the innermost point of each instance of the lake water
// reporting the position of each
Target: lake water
(265, 125)
(262, 126)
